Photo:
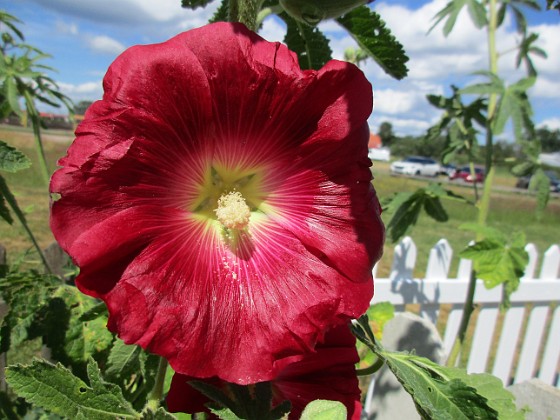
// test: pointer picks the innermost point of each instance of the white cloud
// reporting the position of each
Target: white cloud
(551, 123)
(105, 45)
(88, 90)
(66, 28)
(273, 30)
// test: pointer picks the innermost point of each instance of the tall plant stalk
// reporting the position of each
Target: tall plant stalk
(483, 204)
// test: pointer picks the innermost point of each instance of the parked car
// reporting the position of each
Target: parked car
(464, 174)
(416, 165)
(524, 181)
(448, 169)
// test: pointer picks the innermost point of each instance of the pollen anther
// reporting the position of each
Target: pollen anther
(233, 211)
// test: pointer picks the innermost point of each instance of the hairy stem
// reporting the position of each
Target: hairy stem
(484, 204)
(36, 124)
(11, 200)
(156, 394)
(248, 11)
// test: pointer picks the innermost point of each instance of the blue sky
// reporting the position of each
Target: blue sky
(84, 37)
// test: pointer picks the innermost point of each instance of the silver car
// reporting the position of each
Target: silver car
(416, 165)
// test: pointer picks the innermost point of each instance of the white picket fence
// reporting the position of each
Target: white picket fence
(524, 341)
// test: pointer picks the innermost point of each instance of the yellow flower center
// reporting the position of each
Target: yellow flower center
(233, 211)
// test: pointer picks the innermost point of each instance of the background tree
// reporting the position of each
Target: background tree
(386, 133)
(81, 107)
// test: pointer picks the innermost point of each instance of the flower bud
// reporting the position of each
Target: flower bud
(314, 11)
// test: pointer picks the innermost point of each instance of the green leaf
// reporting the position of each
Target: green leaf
(309, 43)
(11, 159)
(406, 208)
(451, 12)
(499, 262)
(372, 35)
(477, 12)
(440, 392)
(541, 184)
(324, 410)
(221, 14)
(55, 389)
(379, 314)
(83, 339)
(193, 4)
(224, 413)
(160, 414)
(4, 210)
(11, 92)
(27, 294)
(123, 361)
(523, 168)
(435, 396)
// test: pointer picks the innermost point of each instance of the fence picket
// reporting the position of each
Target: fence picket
(456, 313)
(531, 343)
(482, 338)
(507, 346)
(439, 262)
(547, 372)
(437, 289)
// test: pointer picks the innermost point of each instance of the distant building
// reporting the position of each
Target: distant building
(376, 151)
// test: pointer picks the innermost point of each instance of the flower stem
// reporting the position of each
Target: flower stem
(375, 366)
(484, 203)
(11, 200)
(267, 11)
(156, 394)
(36, 124)
(247, 12)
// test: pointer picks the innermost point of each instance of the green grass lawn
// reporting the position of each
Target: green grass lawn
(509, 211)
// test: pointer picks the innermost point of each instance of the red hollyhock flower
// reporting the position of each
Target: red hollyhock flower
(218, 199)
(326, 374)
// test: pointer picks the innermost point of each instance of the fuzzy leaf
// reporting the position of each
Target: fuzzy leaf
(83, 338)
(57, 390)
(11, 159)
(437, 397)
(123, 361)
(221, 14)
(486, 385)
(160, 414)
(379, 314)
(497, 262)
(309, 43)
(372, 35)
(324, 410)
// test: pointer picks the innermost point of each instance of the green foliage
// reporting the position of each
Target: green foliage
(378, 314)
(526, 48)
(324, 410)
(457, 124)
(11, 159)
(553, 4)
(309, 43)
(133, 370)
(221, 14)
(514, 7)
(54, 388)
(28, 295)
(406, 208)
(373, 37)
(440, 392)
(314, 11)
(513, 103)
(76, 341)
(497, 259)
(238, 402)
(451, 11)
